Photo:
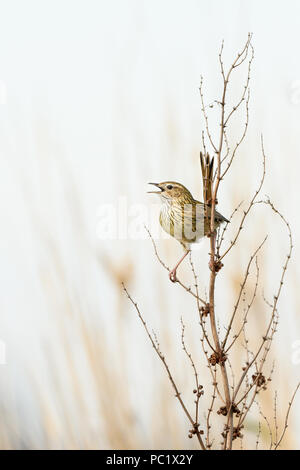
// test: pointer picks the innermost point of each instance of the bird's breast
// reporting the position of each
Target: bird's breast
(181, 222)
(187, 221)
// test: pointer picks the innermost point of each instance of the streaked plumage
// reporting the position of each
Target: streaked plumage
(182, 216)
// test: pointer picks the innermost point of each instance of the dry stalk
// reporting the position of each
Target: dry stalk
(236, 392)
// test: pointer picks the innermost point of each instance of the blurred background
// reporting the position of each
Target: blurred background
(96, 100)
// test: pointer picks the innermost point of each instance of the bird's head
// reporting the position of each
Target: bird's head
(170, 191)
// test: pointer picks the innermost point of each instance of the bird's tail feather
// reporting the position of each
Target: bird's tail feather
(207, 166)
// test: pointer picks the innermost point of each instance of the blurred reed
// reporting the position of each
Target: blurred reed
(90, 396)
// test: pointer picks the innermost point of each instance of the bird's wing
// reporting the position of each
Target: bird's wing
(205, 211)
(220, 218)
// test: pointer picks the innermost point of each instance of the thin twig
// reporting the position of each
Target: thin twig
(162, 358)
(277, 444)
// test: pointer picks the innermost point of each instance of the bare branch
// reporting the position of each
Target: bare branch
(274, 306)
(198, 390)
(203, 109)
(162, 358)
(277, 444)
(242, 328)
(250, 206)
(252, 257)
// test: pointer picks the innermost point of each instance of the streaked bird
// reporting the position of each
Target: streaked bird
(183, 217)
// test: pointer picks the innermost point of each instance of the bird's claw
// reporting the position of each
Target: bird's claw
(172, 275)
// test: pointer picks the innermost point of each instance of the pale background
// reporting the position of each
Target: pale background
(96, 99)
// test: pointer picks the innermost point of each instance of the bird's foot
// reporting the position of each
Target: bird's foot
(172, 275)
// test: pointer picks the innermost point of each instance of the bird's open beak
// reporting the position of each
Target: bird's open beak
(155, 192)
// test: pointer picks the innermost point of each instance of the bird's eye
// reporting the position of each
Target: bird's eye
(169, 186)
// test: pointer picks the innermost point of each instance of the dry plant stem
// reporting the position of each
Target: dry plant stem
(213, 321)
(210, 409)
(240, 293)
(232, 374)
(235, 108)
(258, 436)
(247, 406)
(237, 396)
(267, 423)
(246, 312)
(246, 394)
(220, 238)
(162, 358)
(277, 444)
(214, 329)
(275, 417)
(198, 304)
(213, 233)
(266, 338)
(240, 141)
(214, 249)
(204, 333)
(215, 384)
(250, 206)
(244, 321)
(189, 356)
(268, 341)
(205, 117)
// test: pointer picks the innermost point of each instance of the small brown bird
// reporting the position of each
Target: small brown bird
(183, 217)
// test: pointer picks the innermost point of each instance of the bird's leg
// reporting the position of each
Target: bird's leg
(172, 274)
